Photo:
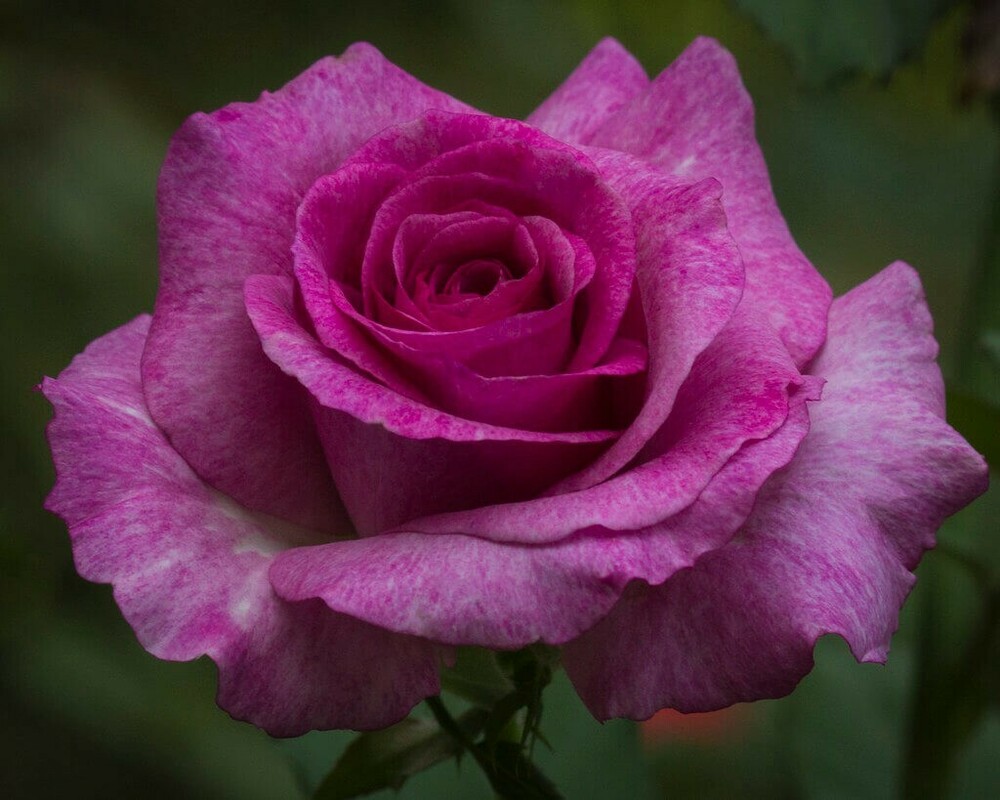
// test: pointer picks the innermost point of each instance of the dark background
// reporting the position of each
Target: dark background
(882, 143)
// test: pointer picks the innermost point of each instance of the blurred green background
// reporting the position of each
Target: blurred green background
(873, 158)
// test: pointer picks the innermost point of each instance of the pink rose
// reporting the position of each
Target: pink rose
(419, 377)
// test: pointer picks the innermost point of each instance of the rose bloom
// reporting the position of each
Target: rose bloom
(419, 377)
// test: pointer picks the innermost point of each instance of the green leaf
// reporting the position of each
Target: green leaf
(476, 677)
(502, 714)
(832, 39)
(387, 758)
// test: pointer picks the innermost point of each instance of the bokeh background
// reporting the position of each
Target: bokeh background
(882, 138)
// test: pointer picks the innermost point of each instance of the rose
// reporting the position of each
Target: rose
(419, 377)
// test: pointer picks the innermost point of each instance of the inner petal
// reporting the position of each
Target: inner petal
(463, 270)
(528, 342)
(546, 181)
(475, 278)
(553, 198)
(480, 239)
(435, 208)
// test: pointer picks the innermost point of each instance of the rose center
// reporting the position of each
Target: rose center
(479, 239)
(479, 276)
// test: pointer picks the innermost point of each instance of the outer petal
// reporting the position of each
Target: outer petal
(227, 199)
(696, 121)
(466, 590)
(829, 545)
(189, 566)
(604, 82)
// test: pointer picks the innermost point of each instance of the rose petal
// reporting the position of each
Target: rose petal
(189, 566)
(438, 461)
(457, 588)
(696, 121)
(689, 279)
(604, 82)
(565, 401)
(559, 403)
(565, 187)
(502, 251)
(538, 341)
(227, 198)
(830, 542)
(465, 590)
(394, 307)
(741, 388)
(571, 401)
(328, 244)
(528, 343)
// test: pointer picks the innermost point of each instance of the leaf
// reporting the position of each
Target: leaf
(833, 39)
(503, 712)
(476, 677)
(387, 758)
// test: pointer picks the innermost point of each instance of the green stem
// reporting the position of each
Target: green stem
(450, 726)
(504, 755)
(453, 729)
